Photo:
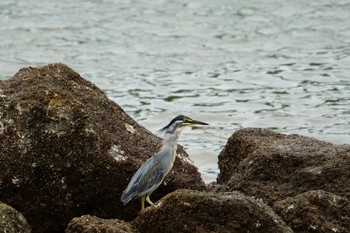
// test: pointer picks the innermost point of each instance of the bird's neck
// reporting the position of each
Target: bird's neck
(170, 143)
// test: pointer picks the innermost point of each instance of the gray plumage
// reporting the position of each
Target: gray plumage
(151, 174)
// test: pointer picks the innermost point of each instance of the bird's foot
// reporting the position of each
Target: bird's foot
(149, 200)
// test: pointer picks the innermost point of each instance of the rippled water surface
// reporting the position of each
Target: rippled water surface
(275, 64)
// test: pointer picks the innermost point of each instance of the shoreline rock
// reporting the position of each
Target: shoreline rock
(193, 211)
(12, 221)
(315, 211)
(88, 223)
(274, 166)
(67, 150)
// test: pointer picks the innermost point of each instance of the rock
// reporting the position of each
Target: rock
(67, 150)
(315, 211)
(93, 224)
(274, 166)
(195, 211)
(12, 221)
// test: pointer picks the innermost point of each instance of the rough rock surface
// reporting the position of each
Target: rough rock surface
(273, 166)
(315, 211)
(93, 224)
(67, 150)
(11, 221)
(195, 211)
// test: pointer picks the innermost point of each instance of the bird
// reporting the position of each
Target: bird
(151, 173)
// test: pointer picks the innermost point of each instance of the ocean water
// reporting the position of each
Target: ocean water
(277, 64)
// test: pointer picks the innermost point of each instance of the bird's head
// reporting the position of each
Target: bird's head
(178, 123)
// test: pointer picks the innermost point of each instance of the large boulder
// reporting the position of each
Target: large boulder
(12, 221)
(195, 211)
(315, 211)
(67, 150)
(274, 166)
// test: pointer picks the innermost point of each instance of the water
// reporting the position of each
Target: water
(276, 64)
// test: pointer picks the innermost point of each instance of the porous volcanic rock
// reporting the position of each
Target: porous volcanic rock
(274, 166)
(196, 211)
(12, 221)
(315, 211)
(67, 150)
(93, 224)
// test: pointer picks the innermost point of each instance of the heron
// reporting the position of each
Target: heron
(151, 173)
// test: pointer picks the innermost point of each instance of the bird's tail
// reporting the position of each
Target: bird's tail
(127, 196)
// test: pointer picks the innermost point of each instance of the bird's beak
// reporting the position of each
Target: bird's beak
(194, 122)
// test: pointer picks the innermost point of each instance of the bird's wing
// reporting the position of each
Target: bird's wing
(146, 179)
(149, 176)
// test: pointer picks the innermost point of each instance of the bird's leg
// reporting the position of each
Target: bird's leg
(142, 203)
(149, 200)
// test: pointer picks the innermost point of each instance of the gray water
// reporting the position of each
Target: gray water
(280, 64)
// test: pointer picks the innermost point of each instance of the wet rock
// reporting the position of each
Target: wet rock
(93, 224)
(12, 221)
(195, 211)
(67, 150)
(315, 211)
(274, 166)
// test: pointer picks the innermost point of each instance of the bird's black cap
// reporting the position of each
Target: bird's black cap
(184, 119)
